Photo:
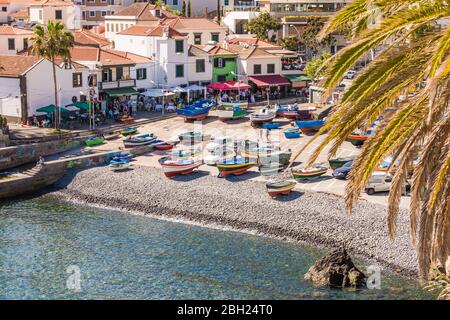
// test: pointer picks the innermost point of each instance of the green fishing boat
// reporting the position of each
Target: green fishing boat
(94, 141)
(339, 162)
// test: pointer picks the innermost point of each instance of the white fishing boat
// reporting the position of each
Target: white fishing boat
(261, 116)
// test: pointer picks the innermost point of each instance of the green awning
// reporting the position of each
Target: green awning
(297, 77)
(51, 109)
(80, 105)
(118, 92)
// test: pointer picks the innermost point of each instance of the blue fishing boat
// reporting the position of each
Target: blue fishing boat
(137, 141)
(197, 111)
(271, 125)
(309, 125)
(292, 133)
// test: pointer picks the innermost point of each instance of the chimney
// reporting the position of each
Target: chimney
(165, 31)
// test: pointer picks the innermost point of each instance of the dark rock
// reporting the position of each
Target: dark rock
(336, 270)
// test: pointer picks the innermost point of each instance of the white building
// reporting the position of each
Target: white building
(198, 7)
(26, 84)
(8, 7)
(58, 10)
(13, 40)
(174, 63)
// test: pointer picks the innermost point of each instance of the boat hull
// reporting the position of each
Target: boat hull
(299, 176)
(281, 189)
(233, 169)
(292, 134)
(337, 163)
(225, 115)
(164, 146)
(357, 140)
(175, 169)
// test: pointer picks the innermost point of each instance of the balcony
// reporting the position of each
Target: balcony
(117, 84)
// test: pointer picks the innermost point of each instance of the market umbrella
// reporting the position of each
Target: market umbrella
(237, 85)
(219, 86)
(80, 105)
(51, 109)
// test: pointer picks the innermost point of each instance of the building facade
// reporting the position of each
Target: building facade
(14, 40)
(64, 11)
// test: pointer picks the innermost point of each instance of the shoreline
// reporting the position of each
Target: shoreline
(324, 224)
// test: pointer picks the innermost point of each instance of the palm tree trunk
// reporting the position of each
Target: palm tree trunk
(56, 115)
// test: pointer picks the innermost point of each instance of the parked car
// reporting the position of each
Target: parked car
(350, 74)
(380, 181)
(342, 172)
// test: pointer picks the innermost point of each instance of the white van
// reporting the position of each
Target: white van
(380, 181)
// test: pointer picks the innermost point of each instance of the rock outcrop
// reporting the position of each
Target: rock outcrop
(336, 270)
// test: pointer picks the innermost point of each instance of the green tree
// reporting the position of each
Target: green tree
(167, 7)
(183, 9)
(51, 42)
(315, 68)
(262, 25)
(189, 8)
(416, 129)
(290, 43)
(309, 37)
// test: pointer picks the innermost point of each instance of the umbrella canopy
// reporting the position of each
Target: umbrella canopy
(195, 87)
(80, 105)
(237, 85)
(51, 109)
(178, 89)
(219, 86)
(157, 93)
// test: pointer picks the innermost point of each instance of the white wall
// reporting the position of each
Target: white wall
(263, 62)
(4, 14)
(193, 75)
(19, 43)
(206, 35)
(10, 97)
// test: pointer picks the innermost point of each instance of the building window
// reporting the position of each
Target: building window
(226, 2)
(11, 44)
(157, 12)
(4, 9)
(83, 15)
(257, 69)
(179, 71)
(92, 80)
(197, 38)
(179, 46)
(103, 13)
(119, 73)
(91, 14)
(107, 27)
(175, 2)
(219, 63)
(215, 37)
(40, 14)
(141, 74)
(200, 65)
(271, 68)
(25, 43)
(58, 14)
(77, 80)
(107, 75)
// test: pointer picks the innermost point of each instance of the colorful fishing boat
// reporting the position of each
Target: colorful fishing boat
(309, 125)
(111, 135)
(173, 168)
(193, 112)
(264, 115)
(95, 141)
(287, 111)
(357, 139)
(230, 105)
(292, 133)
(339, 162)
(128, 131)
(309, 173)
(122, 156)
(254, 152)
(218, 155)
(271, 125)
(235, 166)
(119, 166)
(280, 187)
(234, 113)
(185, 153)
(163, 146)
(138, 141)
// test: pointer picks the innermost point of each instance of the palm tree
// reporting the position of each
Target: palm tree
(410, 78)
(52, 42)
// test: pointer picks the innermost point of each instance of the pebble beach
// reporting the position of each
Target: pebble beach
(315, 218)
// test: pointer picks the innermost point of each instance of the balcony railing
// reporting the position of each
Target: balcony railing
(117, 84)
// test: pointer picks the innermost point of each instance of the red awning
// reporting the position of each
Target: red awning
(269, 81)
(219, 86)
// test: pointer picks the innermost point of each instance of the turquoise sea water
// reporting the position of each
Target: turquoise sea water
(123, 256)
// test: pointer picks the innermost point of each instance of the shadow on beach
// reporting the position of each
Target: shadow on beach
(191, 176)
(294, 195)
(243, 177)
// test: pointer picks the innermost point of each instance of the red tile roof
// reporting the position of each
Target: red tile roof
(14, 66)
(88, 38)
(8, 30)
(143, 11)
(182, 23)
(106, 57)
(254, 42)
(152, 31)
